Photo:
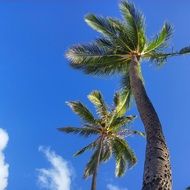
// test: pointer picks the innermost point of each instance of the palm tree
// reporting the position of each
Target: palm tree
(111, 128)
(121, 48)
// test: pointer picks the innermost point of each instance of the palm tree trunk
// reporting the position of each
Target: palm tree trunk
(94, 176)
(157, 170)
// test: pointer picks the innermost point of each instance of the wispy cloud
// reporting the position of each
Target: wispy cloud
(58, 176)
(113, 187)
(4, 167)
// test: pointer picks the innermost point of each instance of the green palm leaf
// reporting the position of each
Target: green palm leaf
(105, 43)
(121, 164)
(125, 84)
(84, 131)
(85, 54)
(121, 147)
(96, 98)
(123, 40)
(101, 25)
(92, 164)
(161, 39)
(160, 57)
(82, 111)
(135, 23)
(121, 100)
(113, 29)
(119, 122)
(124, 156)
(88, 147)
(93, 59)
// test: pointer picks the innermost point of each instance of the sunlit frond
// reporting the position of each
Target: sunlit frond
(82, 111)
(122, 100)
(135, 23)
(125, 37)
(114, 30)
(97, 99)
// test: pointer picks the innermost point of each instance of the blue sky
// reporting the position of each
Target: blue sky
(36, 80)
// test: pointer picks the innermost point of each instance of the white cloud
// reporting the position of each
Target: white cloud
(4, 167)
(58, 176)
(113, 187)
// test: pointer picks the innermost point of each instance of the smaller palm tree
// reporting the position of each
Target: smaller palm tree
(111, 128)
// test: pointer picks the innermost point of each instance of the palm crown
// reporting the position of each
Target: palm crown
(111, 128)
(119, 41)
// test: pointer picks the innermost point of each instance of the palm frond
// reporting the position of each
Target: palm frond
(88, 147)
(122, 100)
(84, 131)
(97, 99)
(121, 147)
(92, 164)
(93, 59)
(185, 50)
(124, 40)
(105, 43)
(135, 22)
(112, 29)
(106, 155)
(125, 84)
(106, 150)
(101, 25)
(82, 111)
(120, 168)
(161, 39)
(119, 122)
(92, 52)
(121, 162)
(159, 58)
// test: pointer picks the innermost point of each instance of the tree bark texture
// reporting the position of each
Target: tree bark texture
(157, 170)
